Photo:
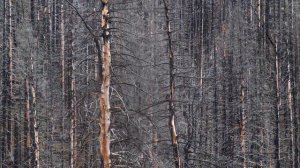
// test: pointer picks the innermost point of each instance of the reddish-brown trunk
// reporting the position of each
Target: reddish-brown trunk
(104, 103)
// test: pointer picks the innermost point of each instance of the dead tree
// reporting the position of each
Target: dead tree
(172, 126)
(104, 102)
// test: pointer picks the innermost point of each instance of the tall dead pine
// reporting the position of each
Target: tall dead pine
(6, 144)
(104, 103)
(71, 81)
(172, 125)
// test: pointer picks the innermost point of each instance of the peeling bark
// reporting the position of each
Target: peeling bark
(104, 102)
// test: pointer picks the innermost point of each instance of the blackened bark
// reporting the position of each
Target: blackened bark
(172, 122)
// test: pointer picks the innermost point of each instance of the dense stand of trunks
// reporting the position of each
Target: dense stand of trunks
(160, 83)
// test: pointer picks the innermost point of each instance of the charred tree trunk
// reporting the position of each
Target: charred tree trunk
(7, 157)
(295, 95)
(35, 138)
(10, 64)
(271, 47)
(70, 82)
(32, 14)
(34, 123)
(26, 135)
(4, 88)
(17, 139)
(243, 124)
(172, 126)
(62, 73)
(72, 99)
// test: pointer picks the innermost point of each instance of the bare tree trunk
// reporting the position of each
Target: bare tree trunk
(27, 140)
(276, 105)
(72, 107)
(295, 91)
(292, 88)
(290, 108)
(276, 101)
(31, 126)
(17, 139)
(32, 14)
(242, 113)
(242, 124)
(62, 50)
(15, 145)
(62, 69)
(35, 128)
(104, 102)
(277, 108)
(71, 87)
(9, 87)
(154, 136)
(271, 47)
(172, 126)
(4, 88)
(10, 58)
